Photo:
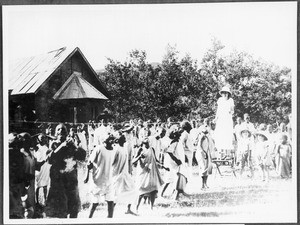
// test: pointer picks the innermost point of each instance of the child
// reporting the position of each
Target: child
(82, 137)
(203, 155)
(43, 173)
(73, 136)
(150, 179)
(91, 131)
(182, 147)
(29, 170)
(101, 161)
(263, 154)
(16, 178)
(124, 186)
(245, 151)
(63, 198)
(272, 144)
(284, 151)
(171, 160)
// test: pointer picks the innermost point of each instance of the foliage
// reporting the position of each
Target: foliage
(178, 88)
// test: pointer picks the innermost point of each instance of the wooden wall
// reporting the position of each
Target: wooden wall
(50, 110)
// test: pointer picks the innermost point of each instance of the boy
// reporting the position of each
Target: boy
(245, 151)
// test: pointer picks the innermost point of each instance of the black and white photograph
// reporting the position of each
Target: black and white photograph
(150, 113)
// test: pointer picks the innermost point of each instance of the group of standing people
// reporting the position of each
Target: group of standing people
(135, 161)
(252, 145)
(138, 161)
(46, 168)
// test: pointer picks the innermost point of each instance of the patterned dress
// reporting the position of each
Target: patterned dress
(63, 197)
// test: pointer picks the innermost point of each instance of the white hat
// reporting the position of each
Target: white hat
(262, 133)
(225, 89)
(245, 130)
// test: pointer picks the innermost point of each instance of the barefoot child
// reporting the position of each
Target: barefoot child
(263, 154)
(284, 151)
(42, 174)
(150, 178)
(101, 161)
(203, 155)
(245, 150)
(124, 186)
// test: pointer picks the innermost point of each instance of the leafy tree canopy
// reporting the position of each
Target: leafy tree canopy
(183, 88)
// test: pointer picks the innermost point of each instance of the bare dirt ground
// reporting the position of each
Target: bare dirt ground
(229, 199)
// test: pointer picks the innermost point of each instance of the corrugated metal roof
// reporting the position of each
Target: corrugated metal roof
(27, 75)
(76, 87)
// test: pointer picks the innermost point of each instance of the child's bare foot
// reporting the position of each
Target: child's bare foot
(130, 212)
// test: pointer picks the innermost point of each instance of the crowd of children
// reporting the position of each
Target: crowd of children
(130, 162)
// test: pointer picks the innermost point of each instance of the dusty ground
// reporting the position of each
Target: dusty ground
(229, 199)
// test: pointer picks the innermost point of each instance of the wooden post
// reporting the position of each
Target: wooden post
(75, 115)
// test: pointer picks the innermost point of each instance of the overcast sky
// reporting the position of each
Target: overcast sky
(265, 30)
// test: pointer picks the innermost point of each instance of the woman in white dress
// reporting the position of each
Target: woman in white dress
(224, 123)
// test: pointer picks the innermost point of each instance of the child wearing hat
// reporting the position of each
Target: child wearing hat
(263, 154)
(245, 151)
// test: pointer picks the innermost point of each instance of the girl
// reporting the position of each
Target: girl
(284, 151)
(29, 170)
(101, 161)
(43, 175)
(170, 142)
(203, 155)
(91, 130)
(16, 178)
(263, 154)
(182, 147)
(123, 182)
(150, 179)
(245, 148)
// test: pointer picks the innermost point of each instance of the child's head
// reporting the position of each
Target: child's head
(145, 143)
(261, 137)
(42, 139)
(270, 128)
(283, 139)
(245, 133)
(109, 141)
(72, 131)
(282, 127)
(79, 129)
(238, 120)
(61, 132)
(262, 126)
(13, 141)
(121, 140)
(185, 125)
(25, 140)
(246, 117)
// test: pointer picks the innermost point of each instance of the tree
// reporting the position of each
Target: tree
(178, 88)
